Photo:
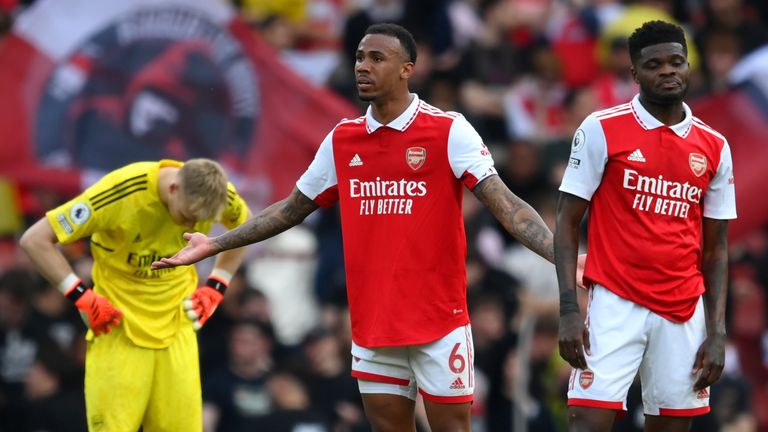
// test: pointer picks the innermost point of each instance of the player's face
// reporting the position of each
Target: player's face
(180, 212)
(381, 66)
(662, 71)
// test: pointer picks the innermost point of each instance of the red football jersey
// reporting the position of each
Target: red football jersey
(399, 187)
(649, 186)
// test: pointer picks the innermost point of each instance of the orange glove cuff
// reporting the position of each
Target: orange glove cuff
(80, 295)
(217, 284)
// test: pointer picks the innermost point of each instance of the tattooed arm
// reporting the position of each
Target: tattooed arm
(517, 216)
(271, 221)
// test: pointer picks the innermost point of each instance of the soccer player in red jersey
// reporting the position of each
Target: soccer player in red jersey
(398, 173)
(659, 186)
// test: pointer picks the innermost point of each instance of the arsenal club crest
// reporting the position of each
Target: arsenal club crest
(415, 157)
(586, 378)
(698, 163)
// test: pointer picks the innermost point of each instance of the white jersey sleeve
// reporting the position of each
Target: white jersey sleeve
(589, 154)
(469, 158)
(720, 198)
(320, 176)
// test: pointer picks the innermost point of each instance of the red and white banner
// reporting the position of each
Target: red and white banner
(742, 116)
(88, 86)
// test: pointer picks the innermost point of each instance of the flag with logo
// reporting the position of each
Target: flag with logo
(89, 86)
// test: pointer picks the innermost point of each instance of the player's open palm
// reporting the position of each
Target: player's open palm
(710, 360)
(574, 340)
(199, 246)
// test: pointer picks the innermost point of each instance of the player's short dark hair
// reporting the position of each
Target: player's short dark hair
(652, 33)
(404, 36)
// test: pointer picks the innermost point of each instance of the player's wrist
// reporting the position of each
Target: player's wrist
(221, 275)
(717, 333)
(568, 302)
(74, 289)
(219, 280)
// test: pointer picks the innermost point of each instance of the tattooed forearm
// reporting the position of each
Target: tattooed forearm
(517, 217)
(271, 221)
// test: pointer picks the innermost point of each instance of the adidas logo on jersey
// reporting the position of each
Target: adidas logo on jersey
(636, 156)
(458, 384)
(137, 238)
(356, 161)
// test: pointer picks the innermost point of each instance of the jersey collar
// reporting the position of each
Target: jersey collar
(648, 121)
(401, 123)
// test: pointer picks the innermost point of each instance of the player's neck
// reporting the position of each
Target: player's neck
(667, 113)
(384, 111)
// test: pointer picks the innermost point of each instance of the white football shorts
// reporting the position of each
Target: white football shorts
(626, 338)
(442, 371)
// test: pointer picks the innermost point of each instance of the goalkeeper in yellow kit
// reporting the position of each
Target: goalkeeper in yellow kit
(142, 360)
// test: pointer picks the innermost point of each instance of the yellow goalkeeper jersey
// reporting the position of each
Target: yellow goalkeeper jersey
(129, 228)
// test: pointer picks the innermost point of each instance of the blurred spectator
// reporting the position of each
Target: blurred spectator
(213, 338)
(573, 33)
(578, 103)
(236, 395)
(490, 326)
(722, 50)
(752, 70)
(511, 408)
(293, 412)
(330, 280)
(615, 85)
(284, 274)
(54, 313)
(19, 341)
(332, 389)
(736, 17)
(533, 105)
(632, 17)
(523, 171)
(53, 393)
(309, 51)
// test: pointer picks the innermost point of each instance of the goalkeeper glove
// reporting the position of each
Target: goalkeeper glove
(203, 302)
(101, 314)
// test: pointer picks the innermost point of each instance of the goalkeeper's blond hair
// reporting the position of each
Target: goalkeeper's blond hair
(204, 187)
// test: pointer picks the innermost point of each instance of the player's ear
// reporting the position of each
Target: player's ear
(174, 186)
(406, 70)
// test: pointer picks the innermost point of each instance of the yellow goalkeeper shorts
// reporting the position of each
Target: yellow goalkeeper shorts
(127, 386)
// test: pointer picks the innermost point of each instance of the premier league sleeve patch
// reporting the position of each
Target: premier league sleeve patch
(578, 141)
(80, 213)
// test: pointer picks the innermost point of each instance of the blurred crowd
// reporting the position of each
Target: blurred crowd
(275, 357)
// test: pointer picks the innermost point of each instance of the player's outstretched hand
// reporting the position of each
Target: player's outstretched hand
(574, 340)
(199, 246)
(710, 360)
(580, 263)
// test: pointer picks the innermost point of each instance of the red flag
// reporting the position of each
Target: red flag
(736, 115)
(118, 82)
